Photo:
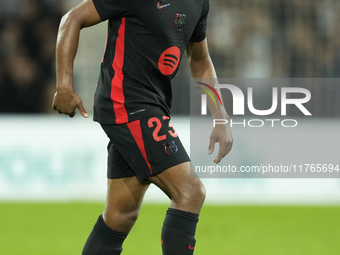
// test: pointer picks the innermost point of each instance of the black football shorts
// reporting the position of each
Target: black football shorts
(144, 148)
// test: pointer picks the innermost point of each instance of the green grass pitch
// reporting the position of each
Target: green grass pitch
(62, 228)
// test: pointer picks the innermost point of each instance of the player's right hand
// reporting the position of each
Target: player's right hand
(66, 102)
(221, 134)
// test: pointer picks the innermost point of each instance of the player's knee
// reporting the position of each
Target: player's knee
(200, 193)
(204, 193)
(194, 196)
(133, 216)
(121, 221)
(129, 217)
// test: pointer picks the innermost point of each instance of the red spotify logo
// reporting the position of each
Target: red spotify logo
(169, 60)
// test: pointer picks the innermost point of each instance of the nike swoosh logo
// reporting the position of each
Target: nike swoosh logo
(191, 248)
(159, 6)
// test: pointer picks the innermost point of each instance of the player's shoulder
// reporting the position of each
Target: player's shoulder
(204, 4)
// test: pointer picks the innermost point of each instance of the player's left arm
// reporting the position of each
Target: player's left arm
(201, 66)
(83, 15)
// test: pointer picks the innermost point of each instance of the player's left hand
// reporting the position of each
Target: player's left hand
(66, 102)
(221, 134)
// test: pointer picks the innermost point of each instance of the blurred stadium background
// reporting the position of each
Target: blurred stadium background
(52, 168)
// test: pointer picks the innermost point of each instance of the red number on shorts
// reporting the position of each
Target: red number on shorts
(158, 127)
(172, 132)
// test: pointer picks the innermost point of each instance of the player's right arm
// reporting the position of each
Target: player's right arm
(202, 67)
(83, 15)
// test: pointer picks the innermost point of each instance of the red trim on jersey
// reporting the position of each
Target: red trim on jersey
(136, 132)
(117, 93)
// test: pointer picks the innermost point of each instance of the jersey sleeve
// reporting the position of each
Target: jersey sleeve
(199, 33)
(110, 8)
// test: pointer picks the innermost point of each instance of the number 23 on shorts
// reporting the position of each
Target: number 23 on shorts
(156, 122)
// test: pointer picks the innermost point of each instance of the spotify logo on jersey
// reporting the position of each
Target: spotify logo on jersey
(169, 60)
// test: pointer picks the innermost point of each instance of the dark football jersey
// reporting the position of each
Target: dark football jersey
(145, 43)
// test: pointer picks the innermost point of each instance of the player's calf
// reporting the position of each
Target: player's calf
(179, 227)
(104, 240)
(187, 196)
(178, 232)
(124, 199)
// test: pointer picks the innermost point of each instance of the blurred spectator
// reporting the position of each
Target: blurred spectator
(247, 39)
(275, 38)
(28, 33)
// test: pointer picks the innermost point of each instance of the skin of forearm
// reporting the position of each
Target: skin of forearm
(66, 50)
(81, 16)
(204, 68)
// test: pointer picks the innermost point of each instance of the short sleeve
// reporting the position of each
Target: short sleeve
(110, 8)
(199, 33)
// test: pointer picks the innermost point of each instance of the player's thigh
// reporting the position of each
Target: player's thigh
(183, 187)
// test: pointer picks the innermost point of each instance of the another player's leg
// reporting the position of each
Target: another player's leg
(187, 195)
(124, 199)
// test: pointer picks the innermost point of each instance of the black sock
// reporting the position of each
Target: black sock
(178, 232)
(103, 240)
